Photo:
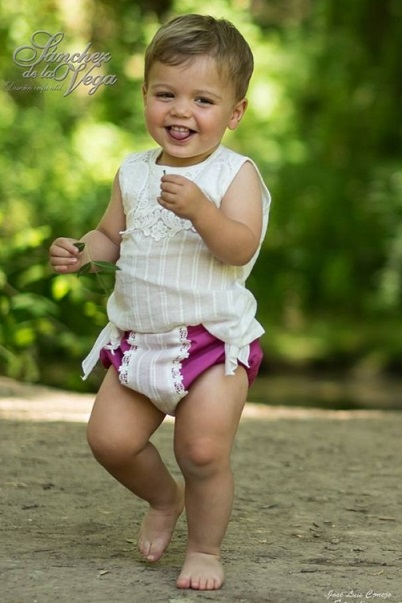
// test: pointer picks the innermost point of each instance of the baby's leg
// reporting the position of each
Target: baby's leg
(206, 425)
(121, 423)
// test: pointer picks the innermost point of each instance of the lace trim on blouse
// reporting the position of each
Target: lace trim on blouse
(146, 215)
(159, 223)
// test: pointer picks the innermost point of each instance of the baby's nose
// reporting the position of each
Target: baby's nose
(181, 108)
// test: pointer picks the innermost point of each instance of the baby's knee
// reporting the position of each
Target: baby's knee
(99, 444)
(108, 450)
(201, 456)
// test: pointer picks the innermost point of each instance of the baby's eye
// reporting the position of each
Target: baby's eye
(164, 95)
(201, 100)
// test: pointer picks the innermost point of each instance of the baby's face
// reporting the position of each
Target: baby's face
(188, 107)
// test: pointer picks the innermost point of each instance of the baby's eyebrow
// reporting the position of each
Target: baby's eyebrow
(160, 85)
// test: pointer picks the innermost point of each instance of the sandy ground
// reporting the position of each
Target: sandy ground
(317, 515)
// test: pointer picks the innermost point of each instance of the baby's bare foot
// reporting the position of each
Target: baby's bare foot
(201, 572)
(157, 528)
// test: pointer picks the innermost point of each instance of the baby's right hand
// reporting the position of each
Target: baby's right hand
(64, 256)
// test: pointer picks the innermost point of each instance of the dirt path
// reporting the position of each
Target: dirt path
(317, 515)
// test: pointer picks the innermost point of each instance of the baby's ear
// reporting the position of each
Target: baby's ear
(144, 92)
(237, 114)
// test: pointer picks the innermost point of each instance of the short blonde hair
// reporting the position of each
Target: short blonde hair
(187, 36)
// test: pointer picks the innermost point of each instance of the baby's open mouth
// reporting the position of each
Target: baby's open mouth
(179, 132)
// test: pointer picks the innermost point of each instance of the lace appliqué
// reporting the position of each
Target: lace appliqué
(123, 368)
(141, 189)
(159, 224)
(177, 376)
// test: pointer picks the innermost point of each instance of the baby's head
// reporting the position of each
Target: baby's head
(187, 37)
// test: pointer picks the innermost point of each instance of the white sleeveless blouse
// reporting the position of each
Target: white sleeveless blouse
(167, 275)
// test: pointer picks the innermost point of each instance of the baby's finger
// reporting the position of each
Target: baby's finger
(56, 260)
(64, 248)
(173, 178)
(163, 202)
(64, 265)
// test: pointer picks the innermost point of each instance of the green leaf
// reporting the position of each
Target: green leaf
(85, 269)
(79, 245)
(106, 267)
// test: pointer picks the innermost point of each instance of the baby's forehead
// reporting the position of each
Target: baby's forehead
(212, 64)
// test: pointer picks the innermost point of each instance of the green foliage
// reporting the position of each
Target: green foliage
(334, 250)
(323, 124)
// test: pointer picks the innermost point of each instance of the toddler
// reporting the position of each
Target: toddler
(184, 224)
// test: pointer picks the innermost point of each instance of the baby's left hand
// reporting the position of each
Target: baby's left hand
(181, 196)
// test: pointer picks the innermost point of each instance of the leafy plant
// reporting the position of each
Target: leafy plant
(95, 267)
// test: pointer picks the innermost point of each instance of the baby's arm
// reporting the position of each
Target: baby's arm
(101, 244)
(232, 232)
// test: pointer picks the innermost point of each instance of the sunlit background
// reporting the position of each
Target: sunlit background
(323, 124)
